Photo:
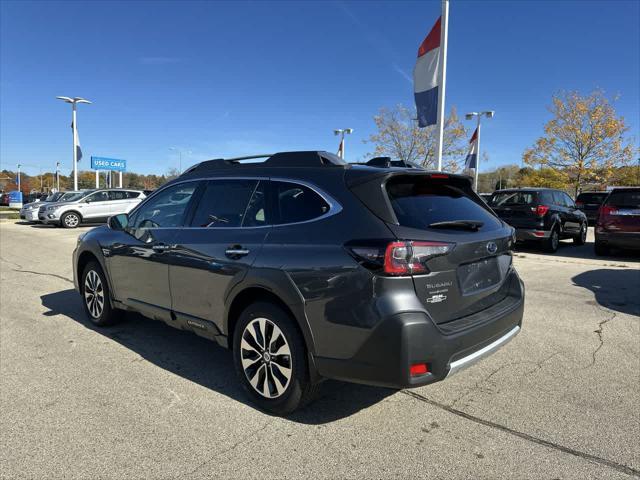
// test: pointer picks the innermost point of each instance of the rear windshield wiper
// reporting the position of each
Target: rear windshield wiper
(464, 224)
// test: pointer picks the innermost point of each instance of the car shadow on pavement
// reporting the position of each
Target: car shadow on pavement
(615, 289)
(202, 361)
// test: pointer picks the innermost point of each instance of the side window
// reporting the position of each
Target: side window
(230, 203)
(132, 194)
(297, 203)
(166, 209)
(98, 197)
(558, 199)
(117, 195)
(568, 201)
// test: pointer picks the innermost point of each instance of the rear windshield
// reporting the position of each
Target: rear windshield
(503, 199)
(591, 197)
(624, 198)
(419, 203)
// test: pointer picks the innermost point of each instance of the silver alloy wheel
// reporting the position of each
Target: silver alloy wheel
(266, 357)
(94, 294)
(71, 220)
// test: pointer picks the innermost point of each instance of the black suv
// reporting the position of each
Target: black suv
(589, 203)
(311, 268)
(541, 214)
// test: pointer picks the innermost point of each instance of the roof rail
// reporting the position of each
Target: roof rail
(311, 158)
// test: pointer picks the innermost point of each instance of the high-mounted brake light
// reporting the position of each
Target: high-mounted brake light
(408, 258)
(540, 210)
(439, 175)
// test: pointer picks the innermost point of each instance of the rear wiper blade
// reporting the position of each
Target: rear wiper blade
(465, 224)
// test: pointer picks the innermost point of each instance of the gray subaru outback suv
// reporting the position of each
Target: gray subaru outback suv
(310, 268)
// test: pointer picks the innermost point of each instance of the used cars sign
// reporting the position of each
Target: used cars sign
(103, 163)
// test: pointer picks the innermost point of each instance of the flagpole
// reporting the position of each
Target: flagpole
(442, 80)
(475, 179)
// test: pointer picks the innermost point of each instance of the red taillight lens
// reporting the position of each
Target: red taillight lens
(607, 210)
(541, 210)
(579, 204)
(418, 369)
(407, 258)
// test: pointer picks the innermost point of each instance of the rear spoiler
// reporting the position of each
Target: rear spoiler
(370, 188)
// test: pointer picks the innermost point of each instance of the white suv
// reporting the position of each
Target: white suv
(94, 206)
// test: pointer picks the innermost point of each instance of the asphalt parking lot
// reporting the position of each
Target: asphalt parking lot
(141, 400)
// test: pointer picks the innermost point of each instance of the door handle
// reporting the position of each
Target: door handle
(236, 251)
(160, 247)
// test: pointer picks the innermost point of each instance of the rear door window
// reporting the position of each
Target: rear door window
(419, 203)
(231, 203)
(297, 203)
(511, 199)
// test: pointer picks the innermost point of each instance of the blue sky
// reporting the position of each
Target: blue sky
(225, 79)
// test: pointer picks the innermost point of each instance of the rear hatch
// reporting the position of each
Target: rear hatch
(516, 207)
(590, 202)
(459, 250)
(621, 211)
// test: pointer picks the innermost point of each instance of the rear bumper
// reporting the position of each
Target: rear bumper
(407, 339)
(625, 240)
(523, 234)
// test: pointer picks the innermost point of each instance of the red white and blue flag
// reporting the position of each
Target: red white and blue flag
(472, 157)
(426, 77)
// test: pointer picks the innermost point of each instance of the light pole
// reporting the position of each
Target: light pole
(469, 116)
(342, 132)
(57, 176)
(19, 178)
(74, 101)
(176, 149)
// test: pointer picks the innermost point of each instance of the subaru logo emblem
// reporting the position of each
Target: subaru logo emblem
(492, 247)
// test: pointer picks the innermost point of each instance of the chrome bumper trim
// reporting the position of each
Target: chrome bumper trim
(469, 360)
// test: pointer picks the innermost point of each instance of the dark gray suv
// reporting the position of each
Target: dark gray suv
(309, 268)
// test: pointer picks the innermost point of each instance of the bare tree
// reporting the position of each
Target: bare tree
(399, 137)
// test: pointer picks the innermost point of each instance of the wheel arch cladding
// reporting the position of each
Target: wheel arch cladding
(83, 260)
(251, 295)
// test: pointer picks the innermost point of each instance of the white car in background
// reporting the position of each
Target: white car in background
(92, 206)
(29, 211)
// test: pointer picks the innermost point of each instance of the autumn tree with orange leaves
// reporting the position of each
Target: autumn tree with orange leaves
(585, 140)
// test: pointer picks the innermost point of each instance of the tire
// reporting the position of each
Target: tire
(276, 382)
(551, 244)
(581, 238)
(95, 296)
(70, 220)
(601, 249)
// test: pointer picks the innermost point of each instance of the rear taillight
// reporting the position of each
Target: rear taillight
(579, 204)
(607, 210)
(396, 258)
(540, 210)
(408, 258)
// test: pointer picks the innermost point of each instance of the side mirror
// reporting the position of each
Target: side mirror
(118, 222)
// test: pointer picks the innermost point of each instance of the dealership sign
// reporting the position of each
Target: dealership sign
(103, 163)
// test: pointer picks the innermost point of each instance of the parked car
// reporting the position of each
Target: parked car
(589, 203)
(486, 196)
(4, 199)
(30, 211)
(310, 268)
(618, 223)
(541, 214)
(93, 206)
